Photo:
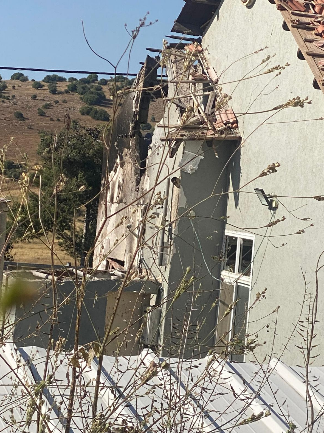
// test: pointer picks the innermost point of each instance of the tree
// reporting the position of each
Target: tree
(71, 178)
(19, 76)
(3, 86)
(72, 86)
(37, 85)
(52, 88)
(92, 78)
(54, 78)
(95, 113)
(40, 111)
(93, 97)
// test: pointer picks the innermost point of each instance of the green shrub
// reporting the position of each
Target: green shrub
(13, 169)
(0, 78)
(33, 96)
(93, 97)
(72, 79)
(41, 112)
(86, 110)
(23, 78)
(3, 86)
(13, 96)
(52, 88)
(84, 81)
(37, 85)
(82, 89)
(97, 88)
(72, 87)
(18, 76)
(94, 113)
(56, 101)
(103, 82)
(47, 105)
(99, 114)
(67, 91)
(64, 101)
(18, 115)
(54, 78)
(92, 78)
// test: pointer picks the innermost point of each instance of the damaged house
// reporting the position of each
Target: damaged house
(221, 205)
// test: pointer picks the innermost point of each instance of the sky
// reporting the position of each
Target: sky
(48, 33)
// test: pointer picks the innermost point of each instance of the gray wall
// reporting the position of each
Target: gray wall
(284, 262)
(33, 321)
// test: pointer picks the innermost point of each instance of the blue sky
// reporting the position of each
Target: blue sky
(48, 33)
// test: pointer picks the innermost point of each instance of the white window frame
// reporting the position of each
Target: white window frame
(236, 276)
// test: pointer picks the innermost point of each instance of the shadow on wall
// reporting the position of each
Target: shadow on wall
(235, 172)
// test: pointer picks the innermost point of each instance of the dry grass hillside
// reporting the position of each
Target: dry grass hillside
(22, 136)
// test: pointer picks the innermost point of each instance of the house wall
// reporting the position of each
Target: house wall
(284, 262)
(33, 321)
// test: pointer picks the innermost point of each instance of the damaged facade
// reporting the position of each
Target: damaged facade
(182, 210)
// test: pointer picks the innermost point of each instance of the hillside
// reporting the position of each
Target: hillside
(22, 136)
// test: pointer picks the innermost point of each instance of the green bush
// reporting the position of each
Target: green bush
(3, 86)
(97, 88)
(37, 85)
(64, 101)
(0, 78)
(13, 169)
(93, 97)
(72, 79)
(94, 113)
(84, 81)
(54, 78)
(66, 91)
(13, 96)
(82, 89)
(103, 82)
(52, 88)
(56, 101)
(99, 114)
(47, 105)
(92, 78)
(33, 96)
(23, 78)
(72, 87)
(18, 115)
(41, 112)
(18, 76)
(86, 110)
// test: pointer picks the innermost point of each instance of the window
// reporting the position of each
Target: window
(238, 255)
(235, 287)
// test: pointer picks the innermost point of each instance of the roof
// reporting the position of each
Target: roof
(195, 16)
(304, 20)
(156, 394)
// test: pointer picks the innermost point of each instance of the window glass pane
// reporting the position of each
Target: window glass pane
(230, 253)
(240, 321)
(246, 257)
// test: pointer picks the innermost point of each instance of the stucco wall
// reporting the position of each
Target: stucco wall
(284, 262)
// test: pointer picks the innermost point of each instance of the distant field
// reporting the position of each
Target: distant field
(37, 251)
